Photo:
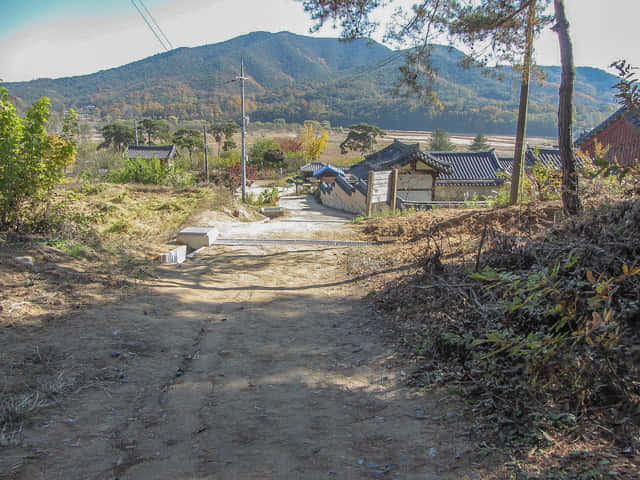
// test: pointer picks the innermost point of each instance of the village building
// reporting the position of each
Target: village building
(417, 173)
(417, 170)
(328, 173)
(473, 175)
(620, 133)
(164, 153)
(427, 178)
(309, 169)
(545, 156)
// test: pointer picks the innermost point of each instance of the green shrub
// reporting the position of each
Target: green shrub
(32, 160)
(267, 197)
(152, 171)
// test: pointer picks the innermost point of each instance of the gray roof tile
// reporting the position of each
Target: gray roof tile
(470, 168)
(395, 155)
(162, 152)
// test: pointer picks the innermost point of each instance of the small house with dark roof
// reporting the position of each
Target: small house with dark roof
(162, 152)
(472, 174)
(310, 168)
(328, 173)
(620, 133)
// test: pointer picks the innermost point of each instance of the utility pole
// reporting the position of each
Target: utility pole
(518, 158)
(242, 78)
(135, 127)
(206, 159)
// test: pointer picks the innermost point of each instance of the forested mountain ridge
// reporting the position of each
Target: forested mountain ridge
(296, 78)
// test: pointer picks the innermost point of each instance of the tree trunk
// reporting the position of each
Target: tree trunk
(521, 134)
(570, 198)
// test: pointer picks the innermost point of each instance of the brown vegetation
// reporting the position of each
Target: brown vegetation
(533, 318)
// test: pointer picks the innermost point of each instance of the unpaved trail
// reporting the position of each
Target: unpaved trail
(244, 363)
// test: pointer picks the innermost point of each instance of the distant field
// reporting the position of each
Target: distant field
(504, 144)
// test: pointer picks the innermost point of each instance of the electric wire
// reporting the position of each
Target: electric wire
(156, 23)
(149, 25)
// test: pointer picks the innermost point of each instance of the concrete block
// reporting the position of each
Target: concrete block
(177, 255)
(272, 212)
(196, 237)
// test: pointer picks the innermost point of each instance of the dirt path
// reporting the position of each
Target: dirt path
(247, 362)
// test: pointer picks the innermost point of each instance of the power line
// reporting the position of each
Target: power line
(366, 70)
(155, 23)
(150, 27)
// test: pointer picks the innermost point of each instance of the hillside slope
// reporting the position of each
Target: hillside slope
(297, 78)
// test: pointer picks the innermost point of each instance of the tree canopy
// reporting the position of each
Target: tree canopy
(493, 30)
(266, 153)
(314, 139)
(188, 139)
(480, 142)
(116, 135)
(440, 141)
(361, 138)
(156, 130)
(224, 131)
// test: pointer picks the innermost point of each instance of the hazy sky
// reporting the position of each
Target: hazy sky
(57, 38)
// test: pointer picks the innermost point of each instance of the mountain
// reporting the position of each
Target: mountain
(296, 78)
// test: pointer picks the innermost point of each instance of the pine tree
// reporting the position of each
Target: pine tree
(440, 141)
(480, 143)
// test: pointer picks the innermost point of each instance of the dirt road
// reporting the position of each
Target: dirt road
(243, 363)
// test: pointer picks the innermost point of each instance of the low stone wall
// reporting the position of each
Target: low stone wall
(461, 193)
(335, 196)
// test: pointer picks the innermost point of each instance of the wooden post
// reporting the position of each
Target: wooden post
(206, 158)
(394, 189)
(521, 132)
(370, 193)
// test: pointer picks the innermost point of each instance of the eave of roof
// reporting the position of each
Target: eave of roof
(633, 117)
(328, 168)
(312, 167)
(396, 154)
(470, 168)
(549, 157)
(161, 152)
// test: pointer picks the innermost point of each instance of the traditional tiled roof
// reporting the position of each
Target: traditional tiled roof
(477, 168)
(633, 117)
(328, 168)
(505, 164)
(161, 152)
(350, 187)
(396, 154)
(549, 157)
(312, 167)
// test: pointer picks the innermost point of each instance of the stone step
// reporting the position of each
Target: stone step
(272, 211)
(196, 237)
(177, 255)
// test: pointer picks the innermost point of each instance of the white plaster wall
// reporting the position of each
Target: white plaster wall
(407, 183)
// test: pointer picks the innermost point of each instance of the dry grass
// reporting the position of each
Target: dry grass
(422, 286)
(103, 247)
